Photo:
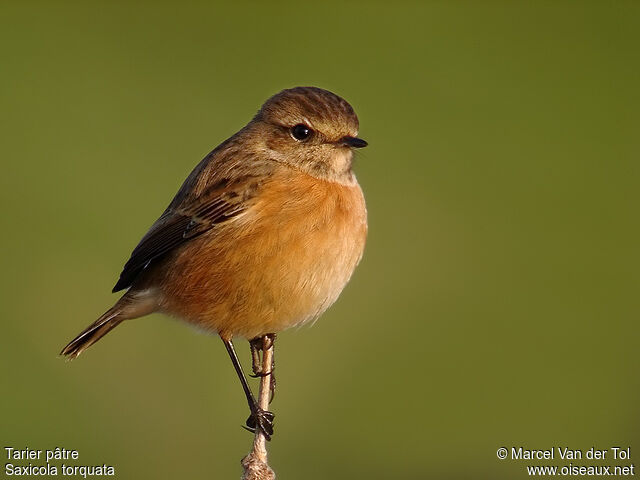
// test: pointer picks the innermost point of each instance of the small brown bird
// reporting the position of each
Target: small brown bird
(263, 235)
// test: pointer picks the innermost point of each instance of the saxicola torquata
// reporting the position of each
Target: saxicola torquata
(263, 235)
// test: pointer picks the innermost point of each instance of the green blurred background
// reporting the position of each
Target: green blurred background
(497, 301)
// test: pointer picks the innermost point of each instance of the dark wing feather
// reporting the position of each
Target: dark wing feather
(181, 223)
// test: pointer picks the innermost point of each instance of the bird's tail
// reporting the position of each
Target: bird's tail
(94, 332)
(132, 304)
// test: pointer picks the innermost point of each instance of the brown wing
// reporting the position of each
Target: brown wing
(187, 218)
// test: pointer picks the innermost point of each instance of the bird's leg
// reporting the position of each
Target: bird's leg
(260, 344)
(256, 360)
(259, 418)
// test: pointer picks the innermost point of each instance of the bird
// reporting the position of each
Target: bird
(262, 236)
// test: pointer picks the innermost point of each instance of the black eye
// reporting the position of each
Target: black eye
(301, 132)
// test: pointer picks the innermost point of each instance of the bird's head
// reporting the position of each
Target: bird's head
(310, 129)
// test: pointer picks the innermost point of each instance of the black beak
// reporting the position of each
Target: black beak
(353, 142)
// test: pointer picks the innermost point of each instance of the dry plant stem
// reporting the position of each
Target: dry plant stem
(255, 464)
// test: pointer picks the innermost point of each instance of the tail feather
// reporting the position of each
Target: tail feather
(94, 332)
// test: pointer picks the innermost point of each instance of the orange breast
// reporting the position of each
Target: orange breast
(280, 264)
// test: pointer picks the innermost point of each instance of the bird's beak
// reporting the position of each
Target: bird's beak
(353, 142)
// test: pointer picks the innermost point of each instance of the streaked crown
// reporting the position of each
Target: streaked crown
(319, 109)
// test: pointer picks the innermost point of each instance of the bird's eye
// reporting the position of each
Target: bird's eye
(301, 132)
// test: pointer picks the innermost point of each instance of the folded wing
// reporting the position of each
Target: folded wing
(182, 222)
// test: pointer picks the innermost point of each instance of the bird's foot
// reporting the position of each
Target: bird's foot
(261, 420)
(258, 346)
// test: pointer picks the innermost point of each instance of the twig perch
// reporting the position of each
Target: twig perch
(255, 464)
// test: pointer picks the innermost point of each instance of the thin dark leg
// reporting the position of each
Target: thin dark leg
(236, 364)
(259, 418)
